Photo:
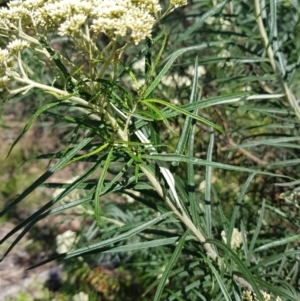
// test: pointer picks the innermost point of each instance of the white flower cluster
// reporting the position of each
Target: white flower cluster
(17, 46)
(7, 55)
(5, 61)
(236, 238)
(115, 18)
(81, 297)
(24, 22)
(65, 241)
(250, 296)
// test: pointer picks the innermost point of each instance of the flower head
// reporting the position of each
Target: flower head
(17, 46)
(236, 238)
(65, 241)
(81, 297)
(4, 55)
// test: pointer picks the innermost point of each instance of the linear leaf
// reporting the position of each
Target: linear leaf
(185, 289)
(99, 187)
(237, 207)
(38, 215)
(180, 110)
(276, 243)
(219, 100)
(208, 171)
(185, 133)
(272, 260)
(40, 111)
(164, 70)
(186, 159)
(169, 267)
(95, 247)
(256, 232)
(219, 279)
(287, 294)
(199, 22)
(240, 266)
(144, 245)
(69, 155)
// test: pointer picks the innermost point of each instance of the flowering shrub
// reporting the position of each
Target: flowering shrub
(119, 128)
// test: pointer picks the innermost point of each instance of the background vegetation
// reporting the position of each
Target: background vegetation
(242, 66)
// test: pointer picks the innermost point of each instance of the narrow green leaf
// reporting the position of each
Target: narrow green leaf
(247, 275)
(69, 155)
(114, 181)
(175, 296)
(274, 141)
(207, 194)
(99, 187)
(158, 116)
(184, 290)
(287, 294)
(161, 51)
(180, 110)
(38, 215)
(198, 24)
(283, 163)
(169, 267)
(244, 239)
(55, 57)
(92, 153)
(95, 247)
(288, 184)
(223, 218)
(256, 233)
(31, 120)
(164, 70)
(219, 279)
(272, 22)
(276, 243)
(208, 103)
(187, 159)
(187, 123)
(198, 47)
(237, 207)
(194, 202)
(234, 97)
(144, 245)
(272, 260)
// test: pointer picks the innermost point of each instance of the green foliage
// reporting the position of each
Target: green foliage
(206, 147)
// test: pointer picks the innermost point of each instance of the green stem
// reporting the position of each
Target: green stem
(108, 60)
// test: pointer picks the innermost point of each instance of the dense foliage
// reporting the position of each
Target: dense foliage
(183, 146)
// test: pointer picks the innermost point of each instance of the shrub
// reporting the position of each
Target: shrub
(196, 228)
